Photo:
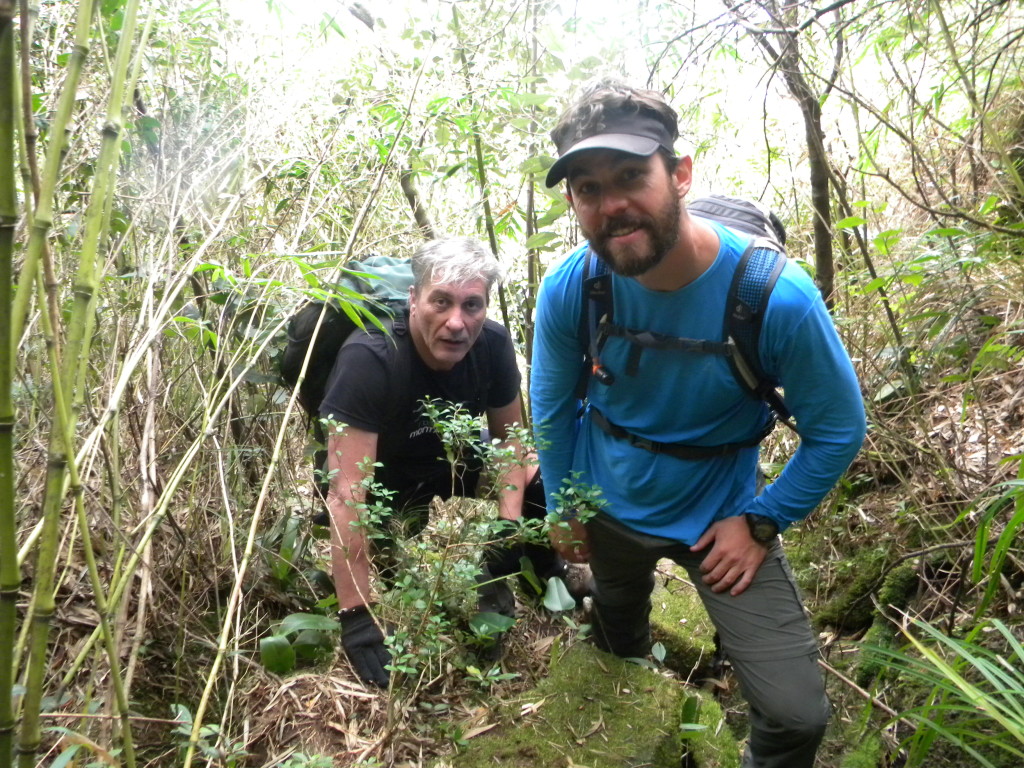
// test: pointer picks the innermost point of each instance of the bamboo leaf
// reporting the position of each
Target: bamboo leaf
(487, 624)
(539, 240)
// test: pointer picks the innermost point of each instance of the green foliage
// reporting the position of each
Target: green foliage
(302, 760)
(977, 691)
(989, 563)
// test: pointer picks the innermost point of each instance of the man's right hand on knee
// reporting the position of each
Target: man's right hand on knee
(363, 642)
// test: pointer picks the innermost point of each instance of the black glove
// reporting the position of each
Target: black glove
(364, 645)
(503, 559)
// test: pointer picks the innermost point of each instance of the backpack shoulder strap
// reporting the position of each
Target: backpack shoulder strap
(399, 395)
(752, 284)
(595, 307)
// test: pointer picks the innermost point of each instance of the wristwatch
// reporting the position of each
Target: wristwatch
(763, 529)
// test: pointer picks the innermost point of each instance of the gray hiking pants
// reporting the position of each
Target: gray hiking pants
(764, 631)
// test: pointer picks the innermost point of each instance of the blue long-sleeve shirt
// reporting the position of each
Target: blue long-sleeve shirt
(692, 398)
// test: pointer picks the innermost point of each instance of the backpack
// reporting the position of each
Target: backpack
(752, 284)
(374, 291)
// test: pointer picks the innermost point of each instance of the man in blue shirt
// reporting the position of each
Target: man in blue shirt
(670, 275)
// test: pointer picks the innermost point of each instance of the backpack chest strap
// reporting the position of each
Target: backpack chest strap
(640, 340)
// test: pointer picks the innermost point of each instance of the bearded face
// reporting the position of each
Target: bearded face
(628, 208)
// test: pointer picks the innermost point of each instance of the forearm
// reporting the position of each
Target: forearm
(512, 486)
(350, 559)
(350, 452)
(822, 391)
(806, 480)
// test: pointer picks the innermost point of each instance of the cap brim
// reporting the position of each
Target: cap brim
(622, 142)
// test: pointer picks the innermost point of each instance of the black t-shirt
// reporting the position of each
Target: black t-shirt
(364, 391)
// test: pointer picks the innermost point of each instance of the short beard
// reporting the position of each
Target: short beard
(662, 229)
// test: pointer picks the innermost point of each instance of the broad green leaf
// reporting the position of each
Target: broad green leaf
(277, 654)
(65, 757)
(884, 241)
(556, 211)
(946, 232)
(529, 99)
(297, 622)
(537, 164)
(658, 652)
(311, 644)
(489, 624)
(990, 204)
(557, 597)
(874, 285)
(850, 222)
(528, 574)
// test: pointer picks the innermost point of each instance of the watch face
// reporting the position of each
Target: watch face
(762, 529)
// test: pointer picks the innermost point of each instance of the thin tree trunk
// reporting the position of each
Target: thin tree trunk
(787, 59)
(481, 173)
(419, 213)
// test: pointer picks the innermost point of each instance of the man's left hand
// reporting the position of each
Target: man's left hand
(734, 556)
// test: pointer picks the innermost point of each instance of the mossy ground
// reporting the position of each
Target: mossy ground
(596, 710)
(599, 711)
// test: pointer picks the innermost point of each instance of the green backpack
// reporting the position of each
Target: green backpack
(375, 288)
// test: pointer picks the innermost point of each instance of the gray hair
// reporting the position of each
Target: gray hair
(454, 261)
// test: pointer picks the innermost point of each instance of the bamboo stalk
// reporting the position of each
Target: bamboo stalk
(42, 220)
(42, 606)
(61, 442)
(29, 14)
(82, 320)
(63, 428)
(10, 573)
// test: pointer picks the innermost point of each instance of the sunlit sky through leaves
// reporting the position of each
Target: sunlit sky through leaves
(315, 40)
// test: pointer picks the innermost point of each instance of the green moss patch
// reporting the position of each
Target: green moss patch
(680, 623)
(596, 710)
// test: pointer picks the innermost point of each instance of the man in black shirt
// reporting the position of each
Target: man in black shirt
(444, 349)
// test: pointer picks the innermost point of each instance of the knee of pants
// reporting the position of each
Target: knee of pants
(798, 712)
(808, 721)
(614, 590)
(786, 694)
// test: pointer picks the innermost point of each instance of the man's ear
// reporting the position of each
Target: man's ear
(682, 177)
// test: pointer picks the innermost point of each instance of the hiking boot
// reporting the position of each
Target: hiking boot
(578, 581)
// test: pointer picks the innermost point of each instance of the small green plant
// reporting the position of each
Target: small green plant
(305, 637)
(988, 565)
(486, 679)
(210, 741)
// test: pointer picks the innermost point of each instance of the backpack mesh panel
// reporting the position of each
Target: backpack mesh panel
(750, 290)
(751, 294)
